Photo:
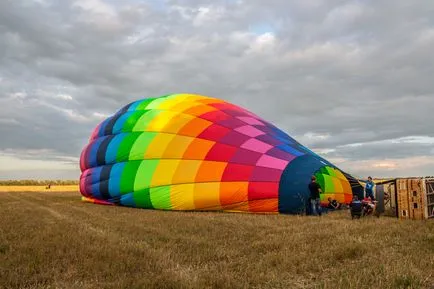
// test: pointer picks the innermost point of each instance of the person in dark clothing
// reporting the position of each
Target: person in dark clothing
(333, 204)
(315, 191)
(356, 208)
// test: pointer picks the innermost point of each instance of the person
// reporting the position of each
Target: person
(356, 207)
(368, 206)
(369, 188)
(308, 206)
(315, 191)
(333, 204)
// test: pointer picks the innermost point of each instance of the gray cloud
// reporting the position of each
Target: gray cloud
(356, 71)
(380, 150)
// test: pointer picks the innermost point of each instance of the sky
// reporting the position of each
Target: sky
(352, 80)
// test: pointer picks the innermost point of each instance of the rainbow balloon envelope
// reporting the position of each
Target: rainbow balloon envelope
(197, 153)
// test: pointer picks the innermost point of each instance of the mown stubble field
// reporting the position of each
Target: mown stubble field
(53, 240)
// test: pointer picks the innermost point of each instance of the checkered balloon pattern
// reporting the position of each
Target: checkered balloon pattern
(193, 152)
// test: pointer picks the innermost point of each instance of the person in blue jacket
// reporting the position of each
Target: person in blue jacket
(369, 189)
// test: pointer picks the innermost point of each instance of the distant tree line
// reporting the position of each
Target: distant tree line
(38, 182)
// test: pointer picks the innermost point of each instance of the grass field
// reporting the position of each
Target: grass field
(54, 188)
(53, 240)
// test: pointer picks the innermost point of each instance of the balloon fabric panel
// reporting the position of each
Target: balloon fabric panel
(193, 152)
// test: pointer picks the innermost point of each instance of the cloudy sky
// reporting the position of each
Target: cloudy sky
(353, 80)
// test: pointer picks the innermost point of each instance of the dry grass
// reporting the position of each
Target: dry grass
(38, 182)
(53, 188)
(56, 241)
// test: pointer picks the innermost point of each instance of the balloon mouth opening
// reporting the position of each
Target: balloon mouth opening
(334, 184)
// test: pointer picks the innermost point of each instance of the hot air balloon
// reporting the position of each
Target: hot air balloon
(198, 153)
